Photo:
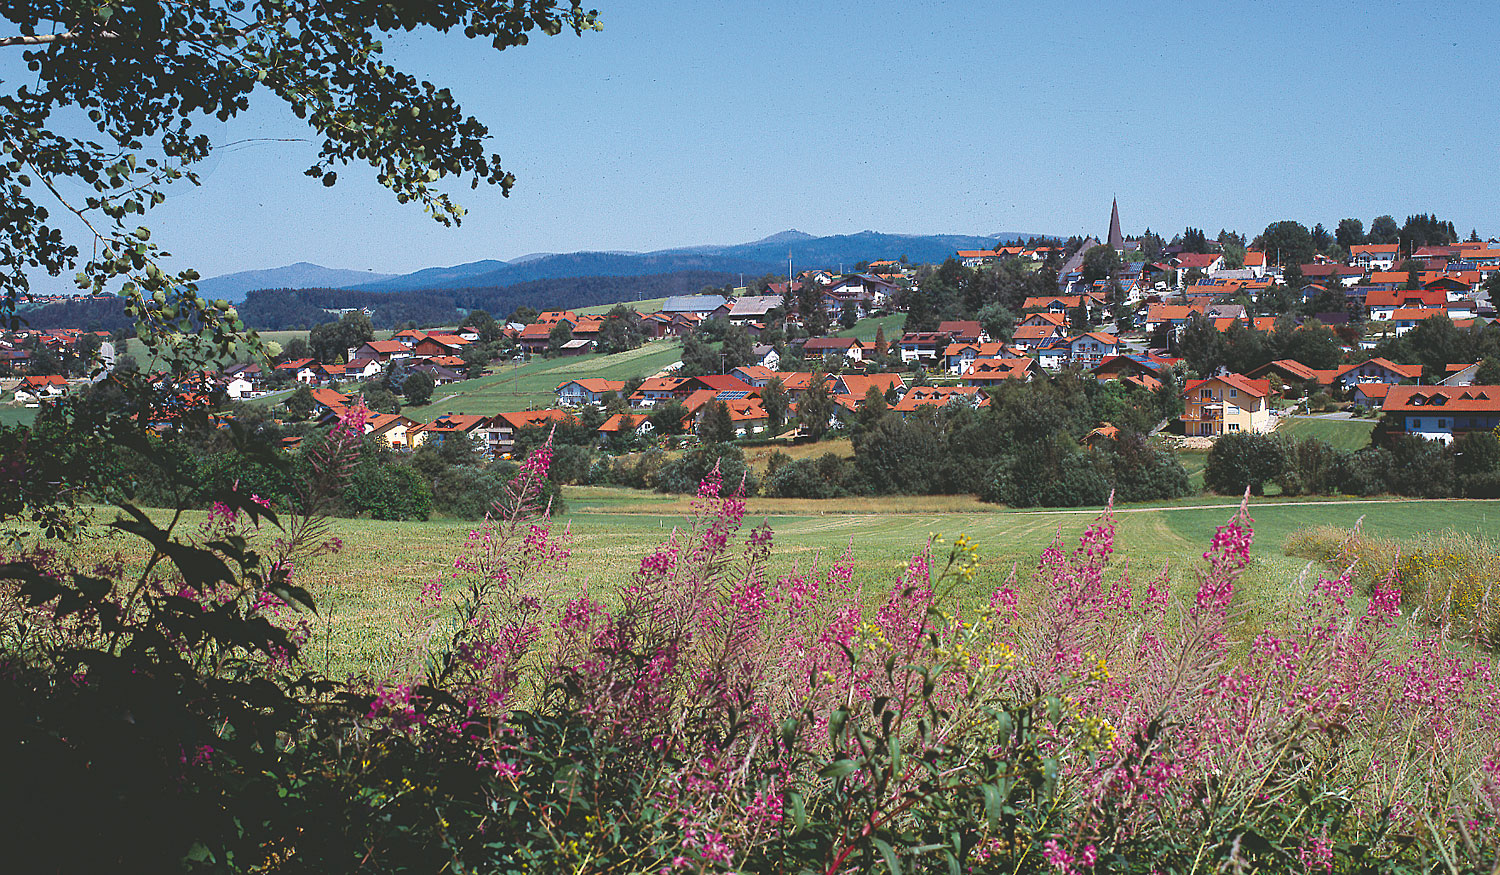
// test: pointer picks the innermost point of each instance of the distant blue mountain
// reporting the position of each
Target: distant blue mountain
(302, 275)
(768, 255)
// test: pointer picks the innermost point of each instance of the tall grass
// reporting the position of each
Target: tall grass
(1448, 579)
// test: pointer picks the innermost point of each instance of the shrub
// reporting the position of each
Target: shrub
(1139, 471)
(1312, 467)
(388, 492)
(828, 476)
(1243, 459)
(684, 473)
(1054, 475)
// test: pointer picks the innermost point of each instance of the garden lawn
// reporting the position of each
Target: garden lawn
(363, 590)
(1342, 434)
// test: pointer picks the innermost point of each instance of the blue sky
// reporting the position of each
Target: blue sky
(683, 124)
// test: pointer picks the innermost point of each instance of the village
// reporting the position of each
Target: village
(1127, 324)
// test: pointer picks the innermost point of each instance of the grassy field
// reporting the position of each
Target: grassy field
(534, 384)
(10, 414)
(645, 305)
(1342, 434)
(865, 329)
(363, 590)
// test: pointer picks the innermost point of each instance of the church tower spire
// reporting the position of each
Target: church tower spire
(1116, 239)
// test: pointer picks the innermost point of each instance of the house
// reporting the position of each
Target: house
(576, 346)
(988, 372)
(720, 386)
(1442, 412)
(1382, 303)
(1226, 404)
(383, 350)
(441, 376)
(1292, 371)
(450, 426)
(1374, 256)
(501, 429)
(238, 386)
(625, 424)
(939, 396)
(1206, 263)
(1054, 355)
(703, 306)
(1062, 304)
(1370, 394)
(958, 356)
(576, 393)
(1092, 348)
(34, 390)
(362, 368)
(1172, 317)
(656, 390)
(409, 338)
(326, 401)
(552, 317)
(1375, 370)
(923, 346)
(747, 414)
(977, 257)
(755, 375)
(865, 291)
(766, 356)
(391, 429)
(1105, 435)
(1461, 374)
(1145, 371)
(1056, 320)
(535, 337)
(438, 345)
(1030, 337)
(1407, 318)
(753, 309)
(1332, 273)
(859, 385)
(964, 331)
(817, 347)
(1255, 262)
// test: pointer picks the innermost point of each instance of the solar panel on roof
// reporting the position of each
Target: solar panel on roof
(732, 395)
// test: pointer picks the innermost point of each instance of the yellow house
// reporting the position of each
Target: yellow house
(1221, 405)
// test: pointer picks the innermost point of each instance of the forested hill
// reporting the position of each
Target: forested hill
(762, 256)
(273, 309)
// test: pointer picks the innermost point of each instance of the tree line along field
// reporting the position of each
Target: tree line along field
(362, 591)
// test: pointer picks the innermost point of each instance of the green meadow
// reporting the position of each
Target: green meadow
(363, 591)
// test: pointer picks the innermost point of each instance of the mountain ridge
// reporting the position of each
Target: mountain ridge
(768, 255)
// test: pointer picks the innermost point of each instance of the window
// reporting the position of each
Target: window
(1416, 424)
(1234, 393)
(1207, 395)
(1234, 426)
(1442, 423)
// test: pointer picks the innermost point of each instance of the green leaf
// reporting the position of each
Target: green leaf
(839, 769)
(892, 862)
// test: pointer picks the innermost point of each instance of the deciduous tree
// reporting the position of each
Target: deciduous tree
(142, 75)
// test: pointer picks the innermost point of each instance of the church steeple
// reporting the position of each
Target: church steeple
(1116, 239)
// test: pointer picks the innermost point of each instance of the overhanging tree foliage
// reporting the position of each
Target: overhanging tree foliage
(142, 73)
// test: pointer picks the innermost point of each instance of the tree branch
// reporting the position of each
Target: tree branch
(46, 38)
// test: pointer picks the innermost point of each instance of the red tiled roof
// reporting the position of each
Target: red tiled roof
(1258, 388)
(1438, 399)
